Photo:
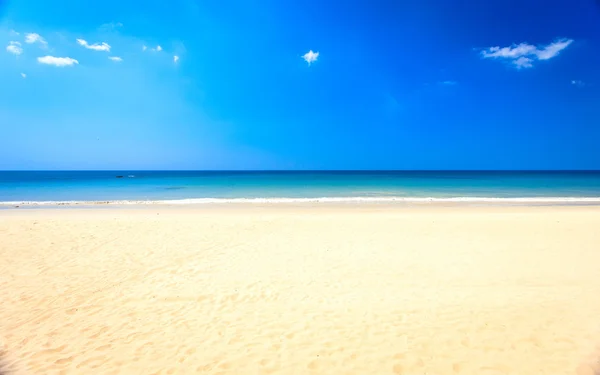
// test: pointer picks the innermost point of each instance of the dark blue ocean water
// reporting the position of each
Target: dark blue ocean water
(176, 185)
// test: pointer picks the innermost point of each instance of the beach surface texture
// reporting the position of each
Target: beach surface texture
(301, 289)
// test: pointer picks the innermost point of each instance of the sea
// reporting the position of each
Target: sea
(184, 187)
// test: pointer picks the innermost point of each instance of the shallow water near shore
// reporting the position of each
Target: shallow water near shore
(122, 187)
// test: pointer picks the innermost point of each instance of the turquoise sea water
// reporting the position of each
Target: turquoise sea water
(378, 185)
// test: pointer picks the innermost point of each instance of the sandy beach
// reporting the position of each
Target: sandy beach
(317, 289)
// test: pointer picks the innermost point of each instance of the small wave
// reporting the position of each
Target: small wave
(542, 200)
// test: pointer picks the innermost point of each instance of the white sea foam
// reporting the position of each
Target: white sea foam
(525, 200)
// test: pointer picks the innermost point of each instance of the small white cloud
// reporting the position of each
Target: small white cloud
(523, 62)
(57, 61)
(523, 55)
(115, 58)
(310, 57)
(449, 83)
(156, 49)
(13, 33)
(175, 59)
(14, 48)
(577, 83)
(31, 38)
(23, 75)
(96, 47)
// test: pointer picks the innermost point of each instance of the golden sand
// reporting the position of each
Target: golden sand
(301, 290)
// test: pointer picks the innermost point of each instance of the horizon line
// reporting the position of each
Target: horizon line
(299, 170)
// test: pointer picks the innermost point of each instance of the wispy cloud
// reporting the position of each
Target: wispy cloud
(577, 83)
(553, 49)
(523, 55)
(175, 59)
(31, 38)
(115, 58)
(310, 57)
(449, 83)
(96, 46)
(156, 49)
(111, 26)
(23, 75)
(57, 61)
(13, 33)
(511, 52)
(14, 48)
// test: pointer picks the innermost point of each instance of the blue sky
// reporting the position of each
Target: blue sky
(425, 84)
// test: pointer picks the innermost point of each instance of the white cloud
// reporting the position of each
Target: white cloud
(310, 56)
(157, 49)
(510, 52)
(523, 62)
(96, 47)
(578, 83)
(31, 38)
(553, 49)
(449, 83)
(14, 48)
(13, 33)
(23, 75)
(57, 61)
(175, 59)
(115, 58)
(523, 55)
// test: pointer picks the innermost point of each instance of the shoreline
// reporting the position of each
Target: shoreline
(320, 200)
